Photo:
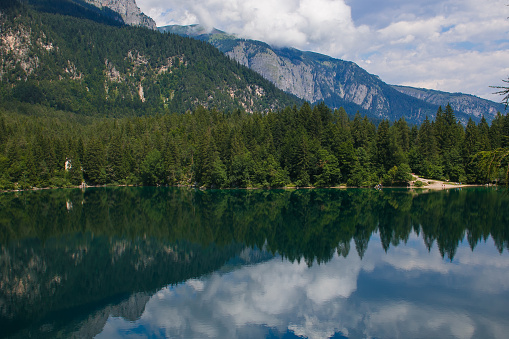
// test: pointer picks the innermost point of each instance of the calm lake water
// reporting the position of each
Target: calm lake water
(182, 263)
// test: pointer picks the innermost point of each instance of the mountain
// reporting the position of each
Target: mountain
(471, 105)
(73, 58)
(128, 10)
(121, 12)
(315, 77)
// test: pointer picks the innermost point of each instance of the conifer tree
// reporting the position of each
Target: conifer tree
(471, 145)
(383, 149)
(94, 163)
(327, 172)
(484, 134)
(426, 162)
(152, 169)
(116, 167)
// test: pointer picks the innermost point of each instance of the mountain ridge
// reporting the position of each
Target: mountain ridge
(307, 75)
(316, 77)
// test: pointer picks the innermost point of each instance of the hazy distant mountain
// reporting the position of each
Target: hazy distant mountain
(466, 103)
(316, 77)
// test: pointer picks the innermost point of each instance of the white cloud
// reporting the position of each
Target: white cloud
(450, 45)
(423, 29)
(320, 25)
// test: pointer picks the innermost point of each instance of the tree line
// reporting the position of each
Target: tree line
(297, 146)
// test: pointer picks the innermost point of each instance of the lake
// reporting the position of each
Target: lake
(159, 262)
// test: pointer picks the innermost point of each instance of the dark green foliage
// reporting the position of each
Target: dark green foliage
(79, 9)
(424, 157)
(327, 172)
(397, 175)
(294, 147)
(152, 169)
(94, 162)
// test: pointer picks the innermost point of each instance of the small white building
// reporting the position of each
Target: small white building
(68, 164)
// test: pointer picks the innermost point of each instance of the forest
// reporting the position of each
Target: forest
(293, 147)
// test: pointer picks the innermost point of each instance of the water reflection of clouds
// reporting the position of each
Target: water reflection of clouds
(411, 257)
(483, 269)
(318, 301)
(413, 322)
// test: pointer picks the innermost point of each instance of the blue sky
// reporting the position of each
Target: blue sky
(449, 45)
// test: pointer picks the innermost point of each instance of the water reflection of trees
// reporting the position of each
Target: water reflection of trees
(65, 248)
(300, 225)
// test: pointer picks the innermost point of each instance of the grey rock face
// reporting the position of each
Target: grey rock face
(130, 309)
(294, 78)
(128, 10)
(310, 79)
(311, 76)
(315, 77)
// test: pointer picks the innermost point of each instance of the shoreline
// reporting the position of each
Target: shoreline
(430, 184)
(434, 184)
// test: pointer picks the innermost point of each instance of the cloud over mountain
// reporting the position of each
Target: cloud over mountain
(450, 45)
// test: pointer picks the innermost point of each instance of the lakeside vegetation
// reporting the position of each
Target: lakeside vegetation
(297, 146)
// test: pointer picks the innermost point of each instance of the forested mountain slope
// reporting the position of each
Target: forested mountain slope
(74, 63)
(316, 77)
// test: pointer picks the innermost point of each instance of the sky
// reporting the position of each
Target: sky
(448, 45)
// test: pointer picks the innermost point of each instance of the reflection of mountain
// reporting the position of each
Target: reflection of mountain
(93, 274)
(130, 308)
(89, 325)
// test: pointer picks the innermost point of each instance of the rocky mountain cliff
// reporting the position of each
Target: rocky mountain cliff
(128, 10)
(315, 77)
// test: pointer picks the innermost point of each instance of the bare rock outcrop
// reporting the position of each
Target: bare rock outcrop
(128, 10)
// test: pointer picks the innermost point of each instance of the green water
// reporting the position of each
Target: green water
(175, 262)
